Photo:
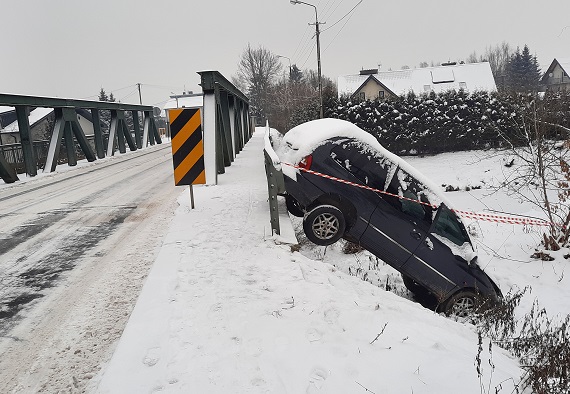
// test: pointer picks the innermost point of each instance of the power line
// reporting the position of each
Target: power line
(160, 86)
(336, 35)
(301, 41)
(307, 49)
(130, 94)
(347, 14)
(333, 11)
(309, 55)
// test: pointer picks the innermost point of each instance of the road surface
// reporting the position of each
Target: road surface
(75, 248)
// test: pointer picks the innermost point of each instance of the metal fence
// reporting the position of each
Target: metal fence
(14, 154)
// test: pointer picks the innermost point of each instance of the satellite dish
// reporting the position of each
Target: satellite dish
(156, 111)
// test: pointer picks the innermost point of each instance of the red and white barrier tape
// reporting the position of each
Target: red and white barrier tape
(471, 215)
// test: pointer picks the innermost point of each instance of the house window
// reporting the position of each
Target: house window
(381, 94)
(362, 96)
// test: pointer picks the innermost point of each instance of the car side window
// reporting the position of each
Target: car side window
(348, 157)
(412, 207)
(447, 225)
(392, 198)
(412, 190)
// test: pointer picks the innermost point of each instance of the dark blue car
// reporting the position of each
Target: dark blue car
(345, 185)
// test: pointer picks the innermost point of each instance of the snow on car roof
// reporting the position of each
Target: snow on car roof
(302, 140)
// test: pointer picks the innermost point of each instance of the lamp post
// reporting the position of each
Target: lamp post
(317, 35)
(285, 57)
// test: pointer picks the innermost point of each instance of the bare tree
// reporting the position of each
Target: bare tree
(473, 58)
(258, 68)
(539, 171)
(498, 58)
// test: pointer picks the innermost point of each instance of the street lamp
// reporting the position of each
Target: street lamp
(317, 34)
(285, 57)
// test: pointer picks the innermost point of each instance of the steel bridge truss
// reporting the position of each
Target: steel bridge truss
(67, 129)
(227, 125)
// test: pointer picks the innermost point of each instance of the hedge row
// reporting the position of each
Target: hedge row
(450, 121)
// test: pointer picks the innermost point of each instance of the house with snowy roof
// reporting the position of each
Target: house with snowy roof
(7, 115)
(556, 77)
(374, 84)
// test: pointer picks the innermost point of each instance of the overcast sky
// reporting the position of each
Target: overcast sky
(72, 48)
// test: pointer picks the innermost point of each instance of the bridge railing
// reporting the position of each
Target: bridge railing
(227, 123)
(67, 132)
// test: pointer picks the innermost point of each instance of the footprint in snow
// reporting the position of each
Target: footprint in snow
(151, 357)
(313, 335)
(317, 380)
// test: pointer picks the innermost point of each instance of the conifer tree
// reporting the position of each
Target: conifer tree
(523, 72)
(103, 95)
(296, 74)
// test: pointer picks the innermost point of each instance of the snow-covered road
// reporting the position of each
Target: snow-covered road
(75, 248)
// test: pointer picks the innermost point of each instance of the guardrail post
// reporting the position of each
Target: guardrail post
(272, 190)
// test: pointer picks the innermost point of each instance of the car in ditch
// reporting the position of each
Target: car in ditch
(346, 185)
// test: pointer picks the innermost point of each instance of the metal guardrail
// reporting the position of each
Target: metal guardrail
(275, 182)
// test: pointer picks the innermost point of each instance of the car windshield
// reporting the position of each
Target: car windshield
(448, 226)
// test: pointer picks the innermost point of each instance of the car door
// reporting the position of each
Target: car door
(440, 263)
(400, 221)
(349, 159)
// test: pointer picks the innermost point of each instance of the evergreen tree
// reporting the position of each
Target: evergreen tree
(103, 96)
(523, 72)
(296, 74)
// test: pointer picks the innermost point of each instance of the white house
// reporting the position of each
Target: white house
(374, 84)
(556, 77)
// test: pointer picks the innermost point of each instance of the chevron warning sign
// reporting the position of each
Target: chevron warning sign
(187, 146)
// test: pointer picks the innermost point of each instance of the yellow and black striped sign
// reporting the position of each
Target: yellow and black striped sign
(187, 146)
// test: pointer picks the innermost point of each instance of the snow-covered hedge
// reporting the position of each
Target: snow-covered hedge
(450, 121)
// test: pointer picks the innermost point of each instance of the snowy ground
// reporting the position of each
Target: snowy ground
(229, 308)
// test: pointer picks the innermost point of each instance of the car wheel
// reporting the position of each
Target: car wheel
(293, 206)
(412, 286)
(462, 304)
(324, 225)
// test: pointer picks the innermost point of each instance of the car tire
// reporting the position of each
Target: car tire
(293, 206)
(413, 286)
(462, 304)
(324, 225)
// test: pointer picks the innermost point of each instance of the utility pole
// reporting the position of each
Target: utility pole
(317, 35)
(140, 97)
